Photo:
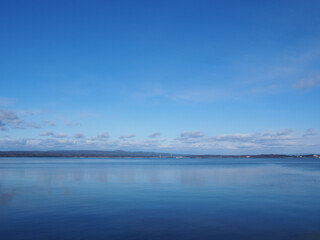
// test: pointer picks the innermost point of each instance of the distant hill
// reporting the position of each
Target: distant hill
(138, 154)
(257, 156)
(82, 153)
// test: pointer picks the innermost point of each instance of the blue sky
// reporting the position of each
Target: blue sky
(220, 77)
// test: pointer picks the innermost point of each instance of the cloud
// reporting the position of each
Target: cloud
(154, 135)
(285, 141)
(279, 133)
(127, 136)
(310, 132)
(48, 123)
(81, 143)
(266, 89)
(6, 101)
(308, 82)
(233, 137)
(79, 135)
(104, 135)
(249, 142)
(256, 137)
(27, 112)
(46, 134)
(189, 137)
(196, 95)
(3, 128)
(60, 135)
(72, 124)
(10, 119)
(202, 95)
(34, 125)
(187, 134)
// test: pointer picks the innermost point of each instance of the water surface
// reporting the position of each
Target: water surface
(69, 198)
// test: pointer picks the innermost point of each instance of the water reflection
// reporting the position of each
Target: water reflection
(6, 195)
(47, 174)
(139, 198)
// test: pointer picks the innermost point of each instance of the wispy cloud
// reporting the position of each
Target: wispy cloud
(6, 101)
(308, 82)
(72, 124)
(26, 112)
(249, 76)
(48, 123)
(194, 94)
(310, 132)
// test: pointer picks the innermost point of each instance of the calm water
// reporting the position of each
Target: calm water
(60, 198)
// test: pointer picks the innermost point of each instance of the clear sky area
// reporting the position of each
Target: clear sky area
(219, 77)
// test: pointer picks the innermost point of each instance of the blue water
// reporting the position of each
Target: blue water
(67, 198)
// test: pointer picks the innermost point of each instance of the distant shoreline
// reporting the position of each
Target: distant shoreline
(126, 154)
